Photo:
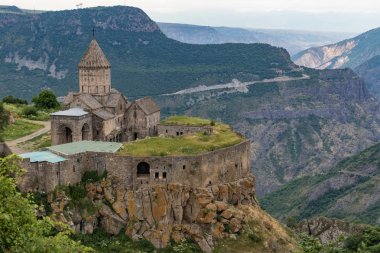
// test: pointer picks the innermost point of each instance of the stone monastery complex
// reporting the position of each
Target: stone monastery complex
(97, 121)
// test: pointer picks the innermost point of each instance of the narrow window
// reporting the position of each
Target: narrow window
(177, 133)
(164, 174)
(156, 175)
(181, 133)
(73, 168)
(184, 167)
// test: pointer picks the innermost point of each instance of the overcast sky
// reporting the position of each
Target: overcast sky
(323, 15)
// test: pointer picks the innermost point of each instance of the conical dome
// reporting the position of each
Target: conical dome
(94, 57)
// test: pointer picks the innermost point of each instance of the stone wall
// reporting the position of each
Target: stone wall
(95, 80)
(221, 166)
(167, 130)
(139, 125)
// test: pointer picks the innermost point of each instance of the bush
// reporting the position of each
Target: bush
(46, 100)
(29, 111)
(14, 100)
(4, 118)
(92, 176)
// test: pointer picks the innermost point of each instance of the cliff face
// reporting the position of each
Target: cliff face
(347, 53)
(173, 212)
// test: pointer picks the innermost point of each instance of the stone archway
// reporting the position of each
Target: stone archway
(65, 134)
(143, 169)
(85, 132)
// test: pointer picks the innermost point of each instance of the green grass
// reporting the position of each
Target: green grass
(222, 137)
(38, 142)
(100, 241)
(186, 121)
(17, 109)
(19, 129)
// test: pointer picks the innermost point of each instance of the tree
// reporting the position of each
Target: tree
(20, 230)
(4, 117)
(46, 100)
(29, 111)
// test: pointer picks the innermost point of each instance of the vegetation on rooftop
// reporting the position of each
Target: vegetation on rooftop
(223, 136)
(186, 121)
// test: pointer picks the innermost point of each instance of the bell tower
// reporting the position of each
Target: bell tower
(94, 71)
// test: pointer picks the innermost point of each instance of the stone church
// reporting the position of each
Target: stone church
(98, 112)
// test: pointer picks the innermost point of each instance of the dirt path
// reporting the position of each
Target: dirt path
(13, 145)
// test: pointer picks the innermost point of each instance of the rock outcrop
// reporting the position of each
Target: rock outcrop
(160, 213)
(329, 230)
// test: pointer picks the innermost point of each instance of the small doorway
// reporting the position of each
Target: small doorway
(143, 169)
(135, 135)
(68, 135)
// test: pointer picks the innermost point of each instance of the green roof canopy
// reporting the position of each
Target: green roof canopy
(86, 146)
(43, 156)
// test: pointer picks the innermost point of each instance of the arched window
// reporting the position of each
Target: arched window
(85, 132)
(143, 169)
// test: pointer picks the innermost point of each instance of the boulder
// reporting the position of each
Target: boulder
(110, 221)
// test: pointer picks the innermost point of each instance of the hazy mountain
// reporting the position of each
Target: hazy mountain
(293, 41)
(360, 53)
(347, 53)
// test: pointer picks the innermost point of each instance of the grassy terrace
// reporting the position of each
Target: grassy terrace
(185, 121)
(222, 137)
(19, 129)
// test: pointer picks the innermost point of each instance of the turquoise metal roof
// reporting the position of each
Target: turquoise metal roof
(86, 146)
(43, 156)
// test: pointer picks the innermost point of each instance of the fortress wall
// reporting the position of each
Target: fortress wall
(215, 167)
(167, 130)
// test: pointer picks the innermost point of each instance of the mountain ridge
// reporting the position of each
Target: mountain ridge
(294, 41)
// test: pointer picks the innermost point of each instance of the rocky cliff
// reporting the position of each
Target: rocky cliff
(329, 230)
(173, 212)
(347, 53)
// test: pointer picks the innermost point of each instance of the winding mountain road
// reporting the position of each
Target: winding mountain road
(13, 145)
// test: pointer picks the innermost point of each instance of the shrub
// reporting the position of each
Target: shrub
(93, 176)
(29, 111)
(254, 237)
(14, 100)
